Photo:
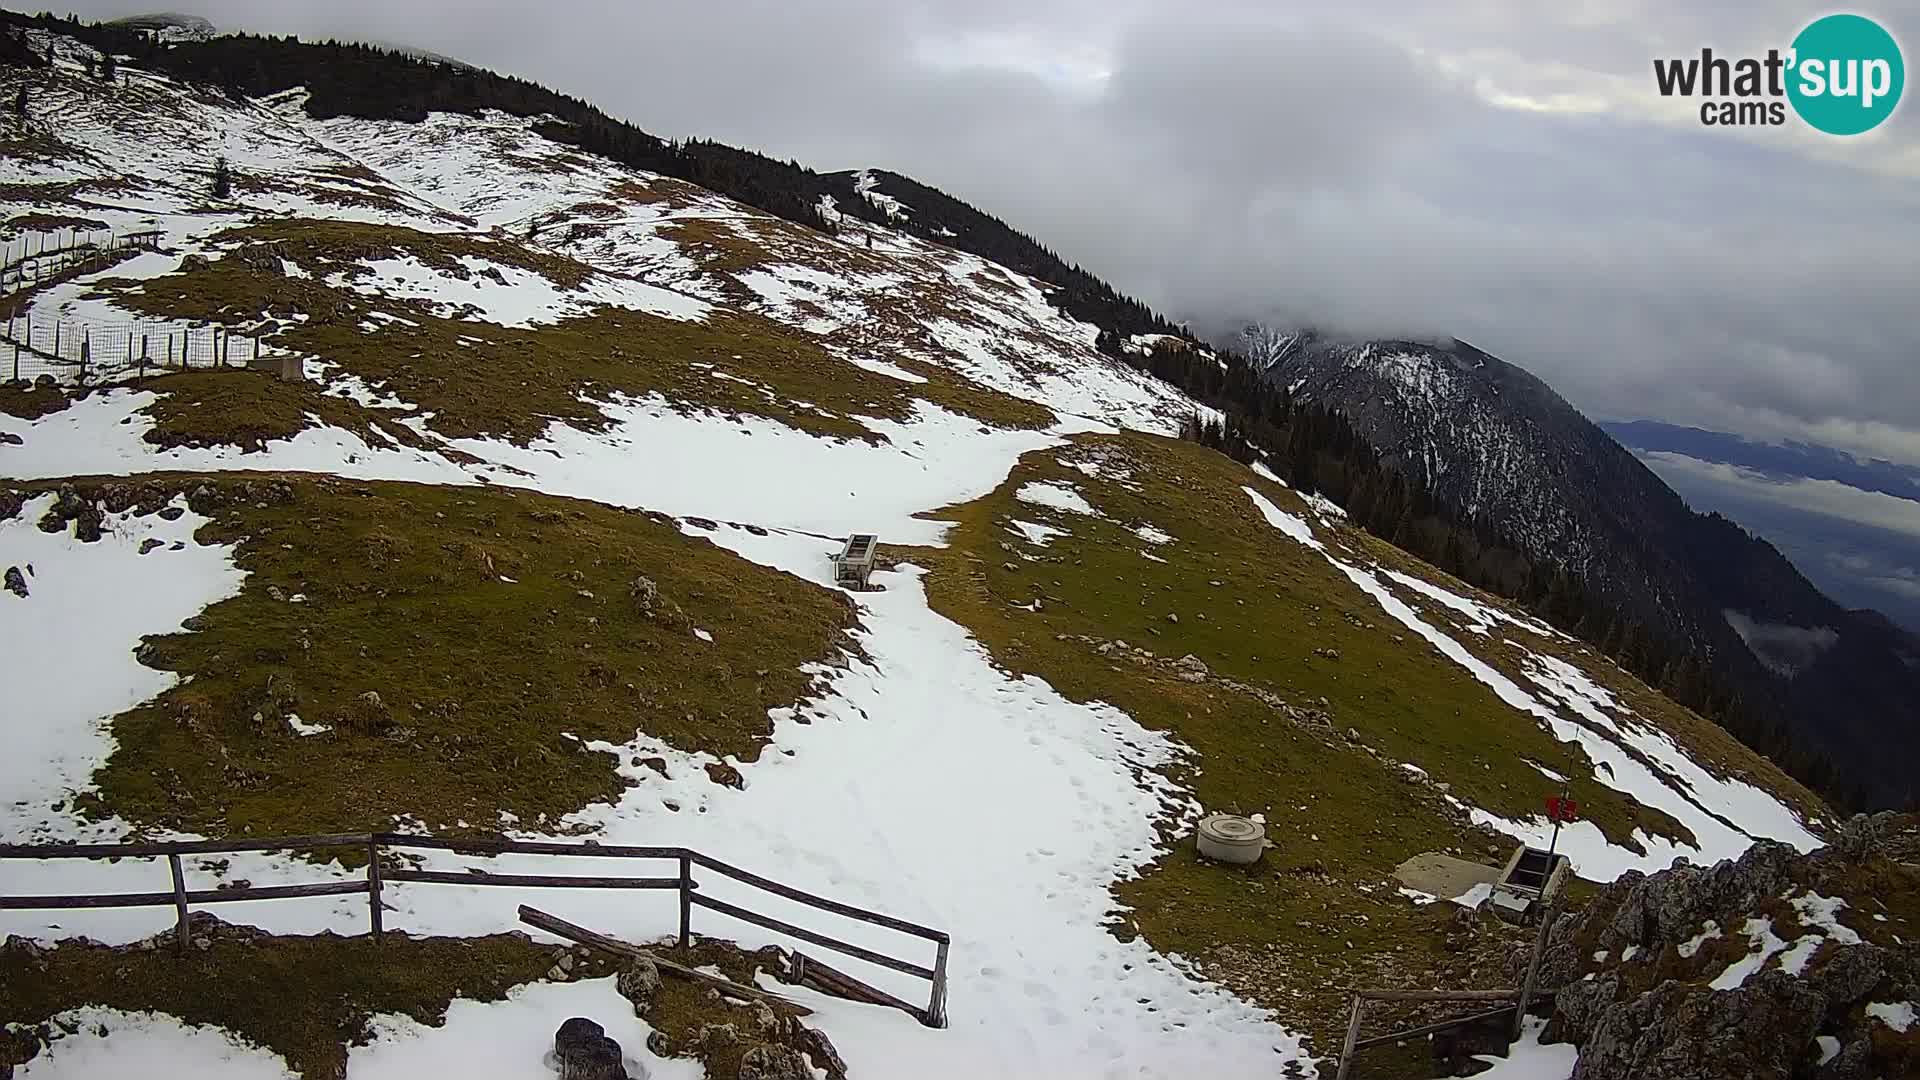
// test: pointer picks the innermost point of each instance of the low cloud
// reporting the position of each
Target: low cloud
(1828, 497)
(1785, 650)
(1503, 172)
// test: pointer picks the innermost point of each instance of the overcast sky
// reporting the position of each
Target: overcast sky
(1499, 170)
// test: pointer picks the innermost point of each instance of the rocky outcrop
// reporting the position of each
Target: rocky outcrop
(638, 982)
(1636, 968)
(1677, 1032)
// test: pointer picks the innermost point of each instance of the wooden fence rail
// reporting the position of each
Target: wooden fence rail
(378, 878)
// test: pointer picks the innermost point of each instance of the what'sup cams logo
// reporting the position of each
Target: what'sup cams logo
(1842, 75)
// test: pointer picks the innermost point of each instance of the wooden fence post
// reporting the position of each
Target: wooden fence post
(373, 887)
(686, 900)
(937, 1002)
(1353, 1036)
(179, 902)
(1533, 967)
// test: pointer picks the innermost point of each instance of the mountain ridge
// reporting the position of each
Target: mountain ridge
(1494, 442)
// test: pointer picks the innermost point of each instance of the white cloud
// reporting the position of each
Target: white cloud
(1829, 497)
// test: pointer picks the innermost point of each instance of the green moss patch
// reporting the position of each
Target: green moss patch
(1300, 702)
(481, 380)
(307, 999)
(461, 646)
(248, 409)
(30, 402)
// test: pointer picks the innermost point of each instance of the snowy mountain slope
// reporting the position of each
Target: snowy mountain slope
(504, 320)
(1499, 447)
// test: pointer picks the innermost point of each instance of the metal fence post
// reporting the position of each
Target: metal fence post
(179, 902)
(373, 888)
(686, 901)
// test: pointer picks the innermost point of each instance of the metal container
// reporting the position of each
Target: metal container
(1229, 838)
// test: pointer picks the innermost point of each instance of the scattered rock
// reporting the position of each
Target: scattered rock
(149, 544)
(583, 1052)
(274, 593)
(725, 775)
(1172, 618)
(16, 582)
(771, 1061)
(368, 714)
(8, 438)
(819, 1048)
(638, 983)
(644, 592)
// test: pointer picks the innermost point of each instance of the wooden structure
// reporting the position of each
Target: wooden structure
(378, 878)
(1512, 1004)
(856, 561)
(1529, 883)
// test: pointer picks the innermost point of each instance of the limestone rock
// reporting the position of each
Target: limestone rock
(771, 1061)
(638, 983)
(1681, 1032)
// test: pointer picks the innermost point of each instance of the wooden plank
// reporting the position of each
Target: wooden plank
(179, 902)
(106, 900)
(1444, 1025)
(171, 899)
(1533, 968)
(686, 901)
(1353, 1035)
(376, 918)
(530, 881)
(559, 927)
(177, 847)
(1438, 995)
(804, 934)
(827, 979)
(937, 1001)
(820, 902)
(493, 845)
(279, 892)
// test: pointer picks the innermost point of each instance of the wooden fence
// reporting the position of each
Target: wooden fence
(378, 878)
(1512, 1010)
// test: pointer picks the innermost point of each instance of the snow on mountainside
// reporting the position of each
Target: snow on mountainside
(542, 547)
(1502, 449)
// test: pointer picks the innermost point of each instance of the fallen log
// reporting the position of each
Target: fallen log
(559, 927)
(814, 973)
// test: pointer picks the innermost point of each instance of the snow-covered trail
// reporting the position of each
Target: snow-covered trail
(924, 782)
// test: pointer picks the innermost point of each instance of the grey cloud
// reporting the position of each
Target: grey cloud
(1341, 167)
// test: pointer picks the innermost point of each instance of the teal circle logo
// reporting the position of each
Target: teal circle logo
(1846, 74)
